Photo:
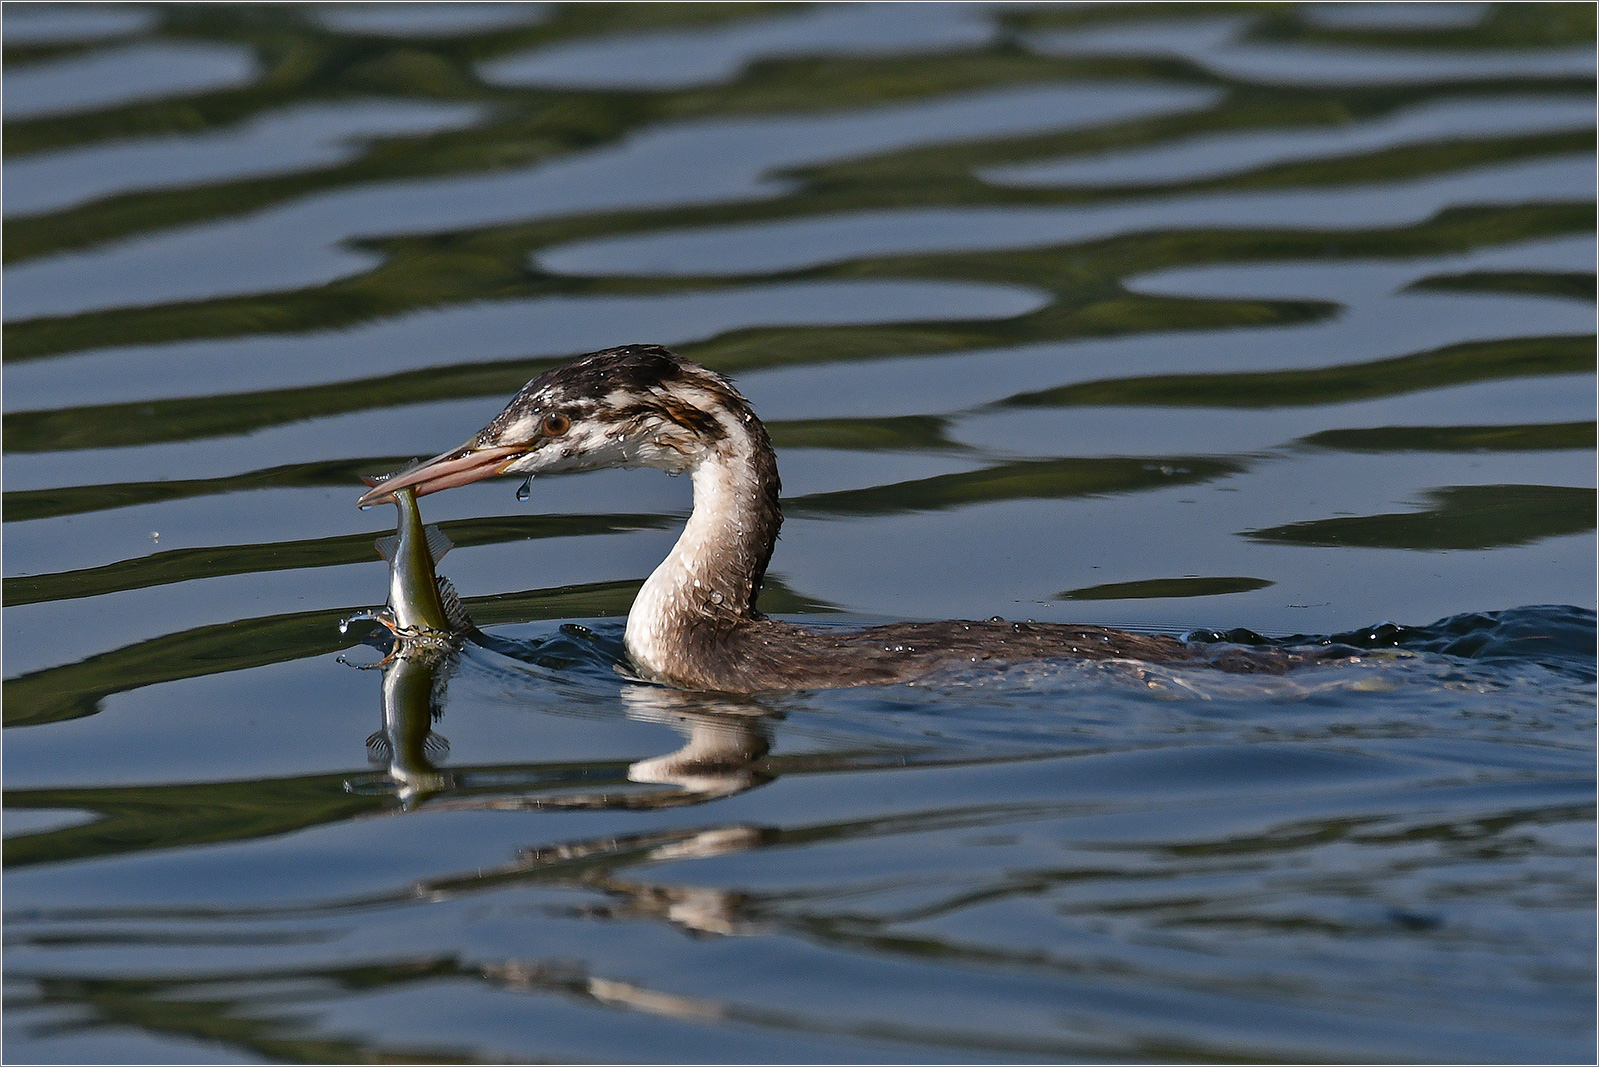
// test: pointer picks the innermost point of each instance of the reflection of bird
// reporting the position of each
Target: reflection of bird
(694, 623)
(722, 741)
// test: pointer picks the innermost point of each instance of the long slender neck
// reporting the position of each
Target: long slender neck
(709, 581)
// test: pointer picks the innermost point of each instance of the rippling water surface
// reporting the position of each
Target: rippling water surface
(1266, 318)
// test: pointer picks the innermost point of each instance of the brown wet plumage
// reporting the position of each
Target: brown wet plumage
(758, 654)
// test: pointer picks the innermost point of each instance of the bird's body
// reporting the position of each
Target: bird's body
(694, 624)
(762, 654)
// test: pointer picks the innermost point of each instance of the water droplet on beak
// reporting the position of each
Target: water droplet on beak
(525, 490)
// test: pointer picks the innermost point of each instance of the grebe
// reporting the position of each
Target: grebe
(693, 624)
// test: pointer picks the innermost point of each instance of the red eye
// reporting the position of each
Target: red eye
(555, 425)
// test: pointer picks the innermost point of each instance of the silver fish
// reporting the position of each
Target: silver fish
(421, 604)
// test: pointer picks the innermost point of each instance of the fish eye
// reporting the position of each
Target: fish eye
(555, 425)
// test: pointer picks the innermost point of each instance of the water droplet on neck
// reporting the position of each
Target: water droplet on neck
(525, 490)
(716, 598)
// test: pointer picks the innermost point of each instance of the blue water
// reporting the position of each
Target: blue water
(1273, 327)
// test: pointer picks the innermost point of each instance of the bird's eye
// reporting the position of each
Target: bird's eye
(555, 425)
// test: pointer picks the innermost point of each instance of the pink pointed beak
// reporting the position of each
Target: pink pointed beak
(459, 466)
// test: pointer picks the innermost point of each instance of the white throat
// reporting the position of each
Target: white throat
(708, 574)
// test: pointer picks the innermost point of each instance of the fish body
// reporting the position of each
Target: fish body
(420, 602)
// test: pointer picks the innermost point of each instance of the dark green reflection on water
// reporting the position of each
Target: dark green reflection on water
(304, 61)
(536, 125)
(1458, 517)
(1164, 587)
(1500, 26)
(1572, 284)
(73, 690)
(135, 818)
(1474, 361)
(1046, 479)
(25, 504)
(1382, 440)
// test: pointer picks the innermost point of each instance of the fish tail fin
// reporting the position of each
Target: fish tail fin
(438, 543)
(386, 546)
(454, 610)
(435, 747)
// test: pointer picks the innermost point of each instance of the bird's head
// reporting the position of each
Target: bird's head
(634, 406)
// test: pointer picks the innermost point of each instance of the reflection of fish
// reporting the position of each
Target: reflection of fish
(420, 602)
(412, 699)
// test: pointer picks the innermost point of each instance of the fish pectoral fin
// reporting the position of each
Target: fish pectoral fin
(435, 747)
(378, 749)
(438, 543)
(454, 611)
(387, 545)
